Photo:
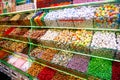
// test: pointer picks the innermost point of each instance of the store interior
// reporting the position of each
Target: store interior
(59, 39)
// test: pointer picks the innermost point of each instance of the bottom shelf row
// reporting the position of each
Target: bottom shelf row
(104, 69)
(37, 71)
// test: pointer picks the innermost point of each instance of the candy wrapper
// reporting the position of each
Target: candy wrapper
(100, 68)
(48, 38)
(107, 16)
(79, 63)
(62, 58)
(81, 40)
(104, 44)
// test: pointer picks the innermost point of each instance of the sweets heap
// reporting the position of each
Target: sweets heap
(81, 40)
(107, 16)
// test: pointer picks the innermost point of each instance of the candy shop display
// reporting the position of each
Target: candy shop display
(116, 71)
(79, 63)
(48, 54)
(62, 58)
(48, 38)
(107, 16)
(35, 69)
(63, 39)
(100, 68)
(81, 40)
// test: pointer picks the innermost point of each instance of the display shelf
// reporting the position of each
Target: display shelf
(16, 69)
(81, 75)
(74, 52)
(63, 6)
(81, 4)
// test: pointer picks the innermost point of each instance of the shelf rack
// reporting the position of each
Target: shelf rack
(47, 27)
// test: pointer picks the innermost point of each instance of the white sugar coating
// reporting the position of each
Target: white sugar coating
(50, 35)
(64, 17)
(118, 41)
(104, 40)
(26, 66)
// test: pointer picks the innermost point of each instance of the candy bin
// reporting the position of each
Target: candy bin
(63, 39)
(104, 44)
(51, 19)
(115, 70)
(83, 17)
(14, 19)
(100, 68)
(64, 19)
(79, 63)
(107, 16)
(81, 40)
(37, 52)
(35, 69)
(48, 38)
(46, 74)
(62, 58)
(48, 54)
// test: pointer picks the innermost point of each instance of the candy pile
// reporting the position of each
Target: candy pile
(20, 62)
(14, 46)
(118, 46)
(116, 71)
(34, 34)
(107, 16)
(83, 16)
(48, 38)
(35, 69)
(62, 58)
(81, 40)
(48, 54)
(79, 63)
(100, 68)
(63, 39)
(37, 52)
(46, 74)
(104, 40)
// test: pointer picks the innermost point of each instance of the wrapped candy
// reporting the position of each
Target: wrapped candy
(104, 44)
(81, 40)
(63, 39)
(83, 16)
(79, 63)
(62, 58)
(48, 38)
(106, 16)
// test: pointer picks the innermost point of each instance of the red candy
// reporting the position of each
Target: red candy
(46, 74)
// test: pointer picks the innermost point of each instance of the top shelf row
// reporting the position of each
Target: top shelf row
(8, 7)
